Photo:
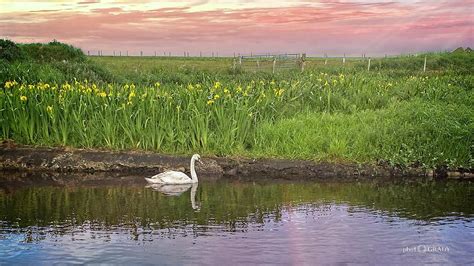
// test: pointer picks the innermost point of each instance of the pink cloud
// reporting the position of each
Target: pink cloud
(335, 27)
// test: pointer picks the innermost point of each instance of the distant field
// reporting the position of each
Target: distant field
(395, 113)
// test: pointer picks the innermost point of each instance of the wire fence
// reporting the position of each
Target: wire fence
(271, 62)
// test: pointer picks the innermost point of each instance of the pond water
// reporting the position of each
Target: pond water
(46, 219)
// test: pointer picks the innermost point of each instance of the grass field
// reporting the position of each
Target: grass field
(395, 113)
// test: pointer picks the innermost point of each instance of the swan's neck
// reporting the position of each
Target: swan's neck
(193, 172)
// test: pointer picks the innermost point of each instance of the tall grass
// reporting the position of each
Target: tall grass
(199, 105)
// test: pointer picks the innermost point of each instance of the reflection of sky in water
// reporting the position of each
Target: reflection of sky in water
(305, 234)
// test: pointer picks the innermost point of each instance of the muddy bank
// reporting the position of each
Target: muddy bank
(24, 158)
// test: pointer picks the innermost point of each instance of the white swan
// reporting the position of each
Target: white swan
(175, 177)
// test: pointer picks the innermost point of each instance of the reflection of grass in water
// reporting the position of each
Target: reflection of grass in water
(228, 204)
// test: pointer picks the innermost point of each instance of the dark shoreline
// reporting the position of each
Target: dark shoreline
(40, 159)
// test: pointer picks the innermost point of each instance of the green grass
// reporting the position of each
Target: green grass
(395, 113)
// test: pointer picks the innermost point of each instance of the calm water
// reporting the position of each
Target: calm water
(119, 220)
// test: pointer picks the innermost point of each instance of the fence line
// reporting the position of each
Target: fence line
(264, 61)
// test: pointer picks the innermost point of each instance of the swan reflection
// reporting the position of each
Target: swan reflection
(177, 190)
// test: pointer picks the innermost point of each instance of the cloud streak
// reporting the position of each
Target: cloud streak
(333, 27)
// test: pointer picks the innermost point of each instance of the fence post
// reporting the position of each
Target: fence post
(114, 53)
(303, 59)
(141, 53)
(344, 59)
(368, 65)
(326, 59)
(424, 65)
(240, 61)
(233, 64)
(120, 53)
(274, 64)
(258, 64)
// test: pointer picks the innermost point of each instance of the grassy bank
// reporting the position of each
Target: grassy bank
(394, 113)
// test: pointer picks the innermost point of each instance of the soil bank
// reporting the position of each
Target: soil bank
(25, 158)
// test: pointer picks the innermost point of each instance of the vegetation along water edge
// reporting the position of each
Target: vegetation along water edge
(396, 114)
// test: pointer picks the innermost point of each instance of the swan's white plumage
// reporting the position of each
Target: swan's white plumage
(175, 177)
(170, 177)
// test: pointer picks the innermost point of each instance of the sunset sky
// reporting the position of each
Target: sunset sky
(315, 27)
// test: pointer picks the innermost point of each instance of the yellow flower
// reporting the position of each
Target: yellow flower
(209, 102)
(157, 84)
(66, 86)
(216, 96)
(49, 109)
(279, 92)
(102, 94)
(10, 84)
(131, 95)
(23, 98)
(239, 89)
(190, 87)
(217, 85)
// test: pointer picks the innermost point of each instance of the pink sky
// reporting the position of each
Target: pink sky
(315, 27)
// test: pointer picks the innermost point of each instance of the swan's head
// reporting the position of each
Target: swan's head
(196, 157)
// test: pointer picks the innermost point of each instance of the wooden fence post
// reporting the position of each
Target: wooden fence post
(258, 64)
(303, 59)
(344, 59)
(326, 59)
(274, 64)
(368, 65)
(240, 61)
(424, 65)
